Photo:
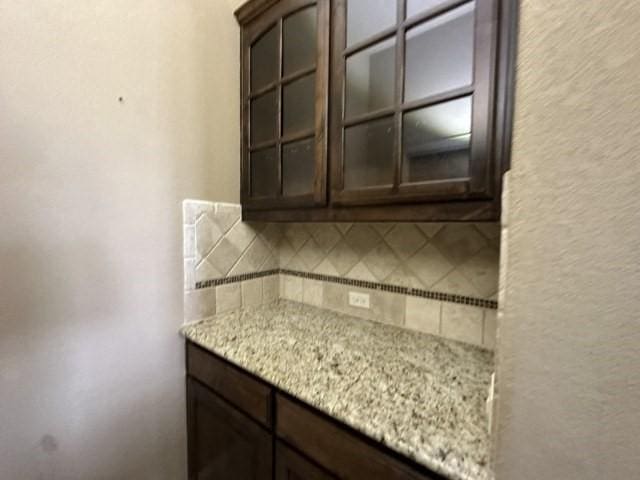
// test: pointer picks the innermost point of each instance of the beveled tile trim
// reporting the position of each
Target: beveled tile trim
(415, 292)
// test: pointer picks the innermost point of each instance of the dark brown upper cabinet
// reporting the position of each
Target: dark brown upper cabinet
(285, 72)
(374, 110)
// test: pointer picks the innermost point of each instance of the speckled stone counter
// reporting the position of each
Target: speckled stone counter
(420, 395)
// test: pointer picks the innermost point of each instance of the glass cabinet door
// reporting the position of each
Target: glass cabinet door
(411, 93)
(285, 89)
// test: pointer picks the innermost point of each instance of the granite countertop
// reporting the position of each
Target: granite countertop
(420, 395)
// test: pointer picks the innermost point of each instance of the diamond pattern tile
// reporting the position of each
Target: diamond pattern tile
(206, 271)
(456, 282)
(381, 261)
(430, 229)
(227, 215)
(403, 277)
(405, 239)
(207, 235)
(241, 235)
(459, 242)
(482, 271)
(429, 265)
(286, 252)
(224, 256)
(361, 272)
(343, 227)
(342, 257)
(325, 235)
(326, 268)
(451, 258)
(383, 228)
(297, 235)
(362, 238)
(311, 255)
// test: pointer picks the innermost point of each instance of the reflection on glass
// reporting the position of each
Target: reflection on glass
(370, 79)
(436, 142)
(368, 17)
(264, 173)
(299, 40)
(439, 54)
(418, 6)
(298, 169)
(368, 154)
(298, 105)
(263, 118)
(264, 60)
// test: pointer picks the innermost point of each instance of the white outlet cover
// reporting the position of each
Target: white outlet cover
(359, 300)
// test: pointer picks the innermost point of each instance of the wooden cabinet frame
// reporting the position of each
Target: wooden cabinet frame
(479, 184)
(301, 442)
(474, 199)
(250, 33)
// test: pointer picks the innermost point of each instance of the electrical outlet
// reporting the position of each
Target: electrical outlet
(360, 300)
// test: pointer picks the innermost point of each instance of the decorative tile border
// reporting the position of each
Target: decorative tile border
(236, 278)
(414, 292)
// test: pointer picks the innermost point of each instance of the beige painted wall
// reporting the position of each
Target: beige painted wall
(569, 341)
(91, 364)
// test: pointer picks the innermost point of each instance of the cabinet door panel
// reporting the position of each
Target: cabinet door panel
(292, 466)
(282, 109)
(335, 448)
(365, 18)
(264, 118)
(224, 443)
(368, 154)
(264, 60)
(298, 105)
(299, 41)
(439, 54)
(436, 142)
(433, 56)
(370, 79)
(264, 173)
(297, 168)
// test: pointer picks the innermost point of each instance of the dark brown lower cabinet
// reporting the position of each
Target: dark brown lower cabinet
(223, 442)
(293, 466)
(232, 435)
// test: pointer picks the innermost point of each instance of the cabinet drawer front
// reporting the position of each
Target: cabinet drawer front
(245, 392)
(340, 451)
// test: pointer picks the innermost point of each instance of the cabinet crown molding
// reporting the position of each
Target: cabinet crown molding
(252, 9)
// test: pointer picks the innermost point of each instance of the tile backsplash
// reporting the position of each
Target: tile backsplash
(455, 258)
(439, 278)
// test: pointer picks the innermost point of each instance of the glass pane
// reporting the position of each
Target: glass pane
(370, 78)
(298, 167)
(418, 6)
(264, 60)
(264, 118)
(298, 105)
(299, 33)
(439, 54)
(264, 173)
(365, 18)
(368, 154)
(436, 142)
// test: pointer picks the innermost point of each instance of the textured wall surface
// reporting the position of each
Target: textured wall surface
(91, 364)
(569, 339)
